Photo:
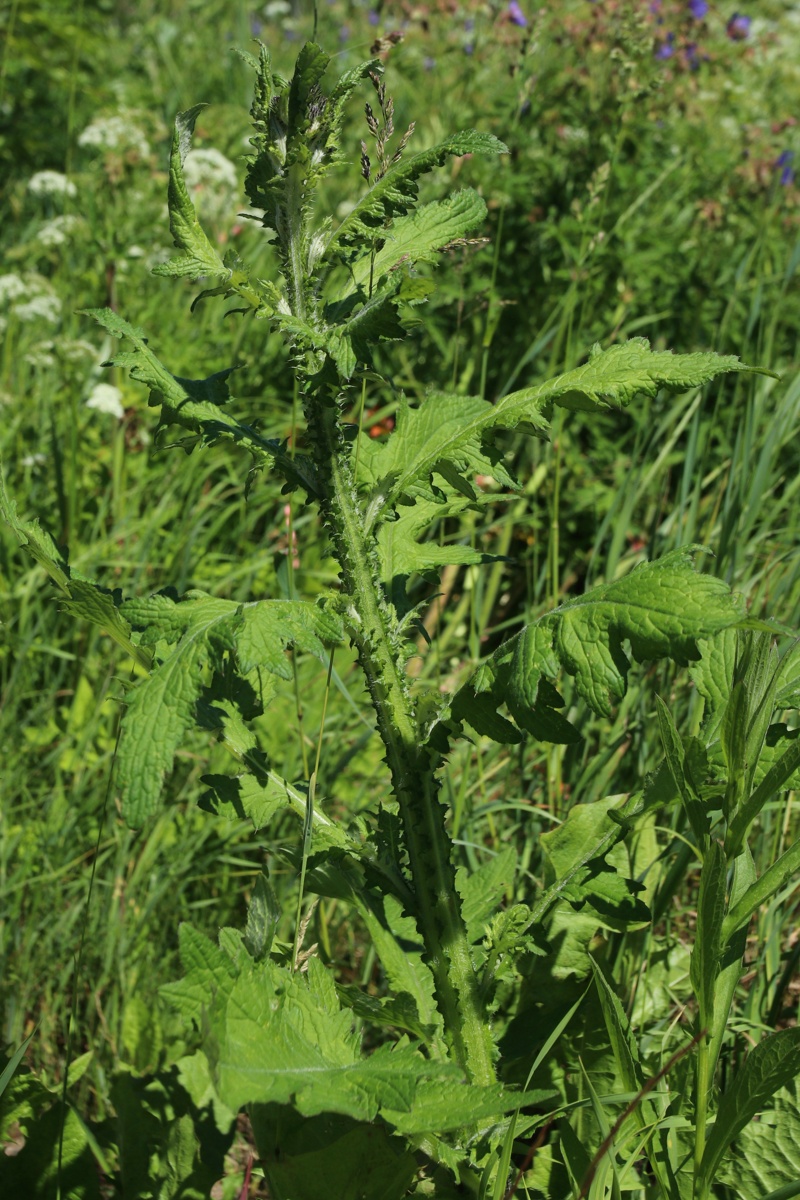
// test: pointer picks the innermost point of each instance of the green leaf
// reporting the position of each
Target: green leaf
(482, 890)
(707, 949)
(282, 1037)
(84, 599)
(682, 775)
(442, 1105)
(208, 969)
(771, 882)
(613, 377)
(329, 1157)
(623, 1046)
(395, 192)
(13, 1063)
(421, 235)
(765, 1159)
(401, 551)
(263, 914)
(776, 778)
(198, 256)
(589, 864)
(162, 707)
(772, 1065)
(455, 428)
(444, 433)
(197, 404)
(312, 62)
(399, 948)
(712, 674)
(56, 1149)
(660, 608)
(788, 681)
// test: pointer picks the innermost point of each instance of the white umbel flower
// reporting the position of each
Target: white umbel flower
(43, 307)
(114, 133)
(209, 168)
(12, 287)
(51, 183)
(108, 399)
(57, 231)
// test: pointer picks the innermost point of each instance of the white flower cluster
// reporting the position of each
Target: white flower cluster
(30, 298)
(57, 231)
(51, 183)
(115, 133)
(12, 287)
(213, 180)
(209, 168)
(107, 399)
(45, 307)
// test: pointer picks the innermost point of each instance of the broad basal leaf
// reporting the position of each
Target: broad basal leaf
(457, 429)
(329, 1157)
(766, 1155)
(197, 404)
(660, 608)
(199, 627)
(282, 1037)
(198, 256)
(774, 1063)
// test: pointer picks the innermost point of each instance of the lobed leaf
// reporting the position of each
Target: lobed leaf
(162, 707)
(660, 608)
(395, 192)
(457, 429)
(419, 236)
(197, 404)
(404, 551)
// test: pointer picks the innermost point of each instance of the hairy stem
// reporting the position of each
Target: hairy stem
(412, 765)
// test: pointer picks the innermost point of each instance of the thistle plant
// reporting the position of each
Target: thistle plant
(436, 1108)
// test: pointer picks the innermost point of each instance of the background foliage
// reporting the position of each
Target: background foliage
(649, 189)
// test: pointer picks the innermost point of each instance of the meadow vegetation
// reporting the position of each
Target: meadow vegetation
(580, 977)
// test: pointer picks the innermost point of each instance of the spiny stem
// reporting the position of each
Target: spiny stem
(411, 764)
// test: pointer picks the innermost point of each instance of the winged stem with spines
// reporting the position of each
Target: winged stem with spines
(343, 290)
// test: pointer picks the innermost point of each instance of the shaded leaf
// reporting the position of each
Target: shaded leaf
(772, 1065)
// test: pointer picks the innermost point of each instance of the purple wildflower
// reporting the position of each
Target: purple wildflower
(469, 48)
(738, 27)
(515, 14)
(469, 24)
(655, 7)
(374, 17)
(698, 9)
(428, 62)
(666, 49)
(784, 161)
(344, 33)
